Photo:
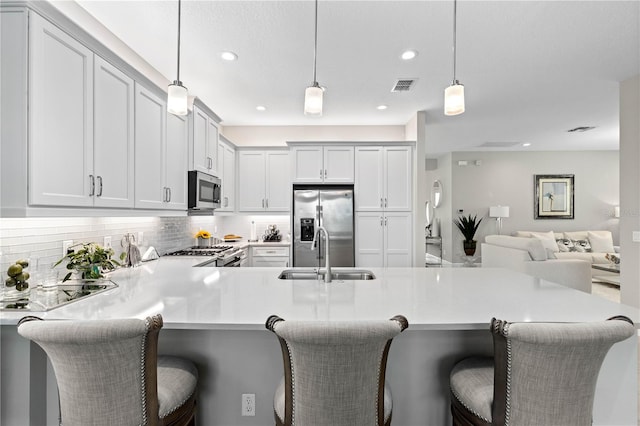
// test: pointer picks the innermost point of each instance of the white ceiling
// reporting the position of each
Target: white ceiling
(532, 69)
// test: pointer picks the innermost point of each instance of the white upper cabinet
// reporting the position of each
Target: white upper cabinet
(60, 118)
(177, 148)
(150, 134)
(227, 172)
(264, 183)
(205, 142)
(383, 178)
(113, 151)
(323, 164)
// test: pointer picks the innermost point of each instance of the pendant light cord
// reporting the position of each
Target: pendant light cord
(315, 47)
(179, 13)
(455, 7)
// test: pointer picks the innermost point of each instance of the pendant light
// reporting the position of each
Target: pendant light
(454, 94)
(177, 93)
(313, 94)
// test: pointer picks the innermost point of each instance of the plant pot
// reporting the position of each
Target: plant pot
(204, 242)
(469, 247)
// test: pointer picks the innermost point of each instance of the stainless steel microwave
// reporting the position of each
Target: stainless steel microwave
(205, 191)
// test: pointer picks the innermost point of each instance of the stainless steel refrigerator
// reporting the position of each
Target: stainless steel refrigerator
(332, 207)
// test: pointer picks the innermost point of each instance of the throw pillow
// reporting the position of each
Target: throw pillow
(601, 243)
(582, 246)
(565, 245)
(548, 240)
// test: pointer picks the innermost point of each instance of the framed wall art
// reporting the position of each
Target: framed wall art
(553, 196)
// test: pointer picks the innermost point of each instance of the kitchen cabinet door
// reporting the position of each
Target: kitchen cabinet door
(150, 135)
(278, 183)
(307, 164)
(60, 154)
(369, 239)
(227, 172)
(264, 183)
(113, 153)
(383, 239)
(338, 164)
(176, 158)
(369, 179)
(251, 180)
(398, 178)
(323, 164)
(398, 242)
(205, 142)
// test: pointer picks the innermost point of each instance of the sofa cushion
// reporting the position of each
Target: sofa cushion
(531, 245)
(575, 255)
(548, 242)
(527, 234)
(601, 242)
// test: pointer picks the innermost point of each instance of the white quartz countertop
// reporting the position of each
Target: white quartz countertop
(243, 298)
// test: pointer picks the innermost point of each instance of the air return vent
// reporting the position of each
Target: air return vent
(498, 144)
(403, 85)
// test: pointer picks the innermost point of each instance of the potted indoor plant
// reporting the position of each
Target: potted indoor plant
(89, 261)
(203, 238)
(468, 226)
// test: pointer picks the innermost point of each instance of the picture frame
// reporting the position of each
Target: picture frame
(553, 196)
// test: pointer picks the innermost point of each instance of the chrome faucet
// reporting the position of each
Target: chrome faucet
(327, 264)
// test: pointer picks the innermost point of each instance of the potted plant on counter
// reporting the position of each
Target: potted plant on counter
(89, 261)
(468, 226)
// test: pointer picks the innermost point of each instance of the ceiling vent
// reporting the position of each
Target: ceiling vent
(581, 129)
(403, 85)
(498, 144)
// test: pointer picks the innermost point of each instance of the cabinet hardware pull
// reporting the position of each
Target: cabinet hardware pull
(385, 221)
(92, 183)
(385, 201)
(99, 194)
(320, 173)
(325, 173)
(381, 204)
(267, 203)
(226, 201)
(164, 194)
(169, 189)
(381, 220)
(263, 203)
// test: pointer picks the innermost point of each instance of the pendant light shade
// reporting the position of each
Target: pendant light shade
(313, 95)
(454, 99)
(177, 94)
(177, 99)
(313, 100)
(454, 94)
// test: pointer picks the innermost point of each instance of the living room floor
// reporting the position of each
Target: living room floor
(612, 292)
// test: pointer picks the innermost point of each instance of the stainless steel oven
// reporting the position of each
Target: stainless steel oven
(204, 192)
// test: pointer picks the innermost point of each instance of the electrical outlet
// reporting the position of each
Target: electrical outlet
(140, 235)
(65, 246)
(248, 404)
(107, 242)
(635, 236)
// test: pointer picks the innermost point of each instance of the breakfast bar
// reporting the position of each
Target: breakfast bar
(215, 316)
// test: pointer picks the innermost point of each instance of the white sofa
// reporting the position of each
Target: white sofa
(528, 255)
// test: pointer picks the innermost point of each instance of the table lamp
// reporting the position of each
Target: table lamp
(499, 212)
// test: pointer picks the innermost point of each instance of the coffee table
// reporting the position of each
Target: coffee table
(608, 267)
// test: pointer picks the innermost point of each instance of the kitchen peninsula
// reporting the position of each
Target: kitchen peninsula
(215, 316)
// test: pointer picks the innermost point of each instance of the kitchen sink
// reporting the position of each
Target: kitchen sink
(336, 274)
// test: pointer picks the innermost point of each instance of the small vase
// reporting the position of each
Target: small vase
(469, 247)
(204, 242)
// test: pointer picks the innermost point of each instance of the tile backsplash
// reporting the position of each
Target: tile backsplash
(42, 238)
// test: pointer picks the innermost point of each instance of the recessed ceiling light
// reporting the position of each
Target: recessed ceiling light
(228, 56)
(382, 107)
(409, 54)
(261, 108)
(526, 144)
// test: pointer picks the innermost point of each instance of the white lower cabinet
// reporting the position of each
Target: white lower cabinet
(270, 257)
(383, 239)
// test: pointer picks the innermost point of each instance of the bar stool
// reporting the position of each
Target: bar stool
(334, 372)
(109, 372)
(540, 374)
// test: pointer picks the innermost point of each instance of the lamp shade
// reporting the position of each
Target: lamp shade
(313, 100)
(177, 99)
(499, 211)
(454, 99)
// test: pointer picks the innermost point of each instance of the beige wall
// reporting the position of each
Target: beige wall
(630, 190)
(280, 135)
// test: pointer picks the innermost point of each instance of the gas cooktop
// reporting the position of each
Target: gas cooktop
(200, 251)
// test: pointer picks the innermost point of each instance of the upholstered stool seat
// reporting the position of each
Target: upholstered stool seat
(334, 372)
(540, 374)
(109, 373)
